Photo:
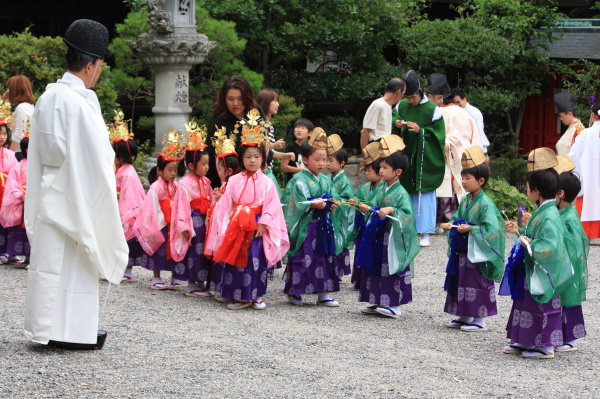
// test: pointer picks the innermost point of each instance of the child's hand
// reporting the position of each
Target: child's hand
(186, 234)
(320, 204)
(217, 194)
(278, 145)
(261, 229)
(333, 206)
(446, 226)
(525, 217)
(290, 156)
(464, 228)
(413, 127)
(383, 212)
(525, 240)
(398, 124)
(352, 201)
(511, 227)
(364, 207)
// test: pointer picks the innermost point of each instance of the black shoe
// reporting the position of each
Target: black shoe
(75, 346)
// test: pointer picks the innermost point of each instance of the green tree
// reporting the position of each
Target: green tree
(583, 80)
(42, 60)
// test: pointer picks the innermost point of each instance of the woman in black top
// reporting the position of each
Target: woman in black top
(234, 101)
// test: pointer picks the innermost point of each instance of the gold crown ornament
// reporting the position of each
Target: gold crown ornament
(540, 159)
(172, 146)
(370, 153)
(334, 144)
(318, 139)
(565, 164)
(196, 136)
(254, 129)
(224, 145)
(390, 144)
(118, 130)
(471, 157)
(6, 114)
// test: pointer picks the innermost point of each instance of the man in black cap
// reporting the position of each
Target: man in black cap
(377, 122)
(565, 105)
(71, 213)
(420, 123)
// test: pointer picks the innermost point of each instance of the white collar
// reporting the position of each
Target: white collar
(69, 77)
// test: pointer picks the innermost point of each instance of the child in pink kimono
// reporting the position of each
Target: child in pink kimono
(7, 162)
(130, 194)
(11, 213)
(165, 236)
(248, 225)
(199, 199)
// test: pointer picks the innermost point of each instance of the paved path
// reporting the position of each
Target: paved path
(164, 345)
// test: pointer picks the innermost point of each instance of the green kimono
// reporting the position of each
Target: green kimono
(343, 217)
(302, 187)
(549, 272)
(365, 194)
(488, 232)
(270, 175)
(403, 242)
(582, 246)
(425, 149)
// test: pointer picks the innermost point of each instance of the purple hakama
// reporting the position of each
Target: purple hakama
(198, 266)
(136, 253)
(159, 262)
(248, 283)
(342, 262)
(308, 272)
(356, 271)
(3, 239)
(573, 325)
(17, 241)
(476, 296)
(385, 290)
(533, 323)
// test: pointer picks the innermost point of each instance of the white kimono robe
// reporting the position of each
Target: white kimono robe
(461, 133)
(71, 215)
(585, 154)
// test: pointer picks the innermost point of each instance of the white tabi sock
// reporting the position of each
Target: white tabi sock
(323, 296)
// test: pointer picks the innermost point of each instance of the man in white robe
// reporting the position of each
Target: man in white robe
(71, 212)
(565, 106)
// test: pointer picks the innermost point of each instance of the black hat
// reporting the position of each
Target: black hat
(438, 84)
(565, 101)
(412, 83)
(88, 37)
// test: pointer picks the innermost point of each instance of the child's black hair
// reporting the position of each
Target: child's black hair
(570, 184)
(478, 172)
(397, 160)
(306, 123)
(125, 151)
(342, 156)
(306, 150)
(161, 164)
(242, 150)
(8, 137)
(230, 162)
(374, 165)
(24, 145)
(545, 181)
(192, 157)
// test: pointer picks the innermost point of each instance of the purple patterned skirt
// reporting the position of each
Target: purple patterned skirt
(533, 323)
(136, 253)
(573, 325)
(308, 272)
(248, 283)
(216, 272)
(159, 262)
(356, 271)
(17, 241)
(343, 263)
(3, 239)
(198, 266)
(476, 295)
(385, 290)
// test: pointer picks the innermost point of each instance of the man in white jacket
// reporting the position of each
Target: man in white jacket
(71, 212)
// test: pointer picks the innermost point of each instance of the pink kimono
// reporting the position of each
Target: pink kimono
(131, 197)
(11, 212)
(7, 163)
(157, 222)
(252, 194)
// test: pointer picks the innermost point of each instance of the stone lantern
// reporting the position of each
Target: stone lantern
(172, 46)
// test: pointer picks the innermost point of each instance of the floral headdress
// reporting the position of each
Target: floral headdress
(172, 147)
(118, 130)
(5, 113)
(196, 136)
(254, 129)
(224, 145)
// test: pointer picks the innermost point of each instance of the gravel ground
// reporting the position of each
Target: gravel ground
(163, 344)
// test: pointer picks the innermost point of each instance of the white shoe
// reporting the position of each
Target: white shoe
(425, 241)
